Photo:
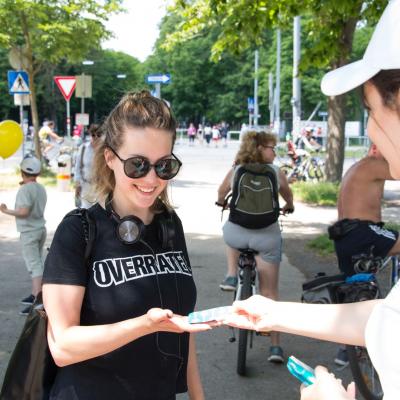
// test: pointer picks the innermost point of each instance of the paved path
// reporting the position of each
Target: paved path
(194, 193)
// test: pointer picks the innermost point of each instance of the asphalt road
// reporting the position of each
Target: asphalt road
(194, 193)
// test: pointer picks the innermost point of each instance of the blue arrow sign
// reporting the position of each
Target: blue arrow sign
(158, 78)
(18, 82)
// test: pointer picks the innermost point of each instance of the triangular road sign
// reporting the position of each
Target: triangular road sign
(66, 84)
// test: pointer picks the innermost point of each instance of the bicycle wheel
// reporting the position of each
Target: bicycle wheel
(364, 374)
(315, 172)
(245, 293)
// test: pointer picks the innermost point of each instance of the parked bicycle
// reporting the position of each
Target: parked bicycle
(364, 374)
(304, 168)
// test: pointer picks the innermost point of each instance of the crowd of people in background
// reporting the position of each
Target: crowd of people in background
(208, 134)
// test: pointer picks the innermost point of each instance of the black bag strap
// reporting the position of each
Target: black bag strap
(89, 228)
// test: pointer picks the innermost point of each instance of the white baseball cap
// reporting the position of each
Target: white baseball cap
(31, 165)
(383, 52)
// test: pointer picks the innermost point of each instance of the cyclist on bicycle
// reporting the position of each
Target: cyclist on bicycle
(47, 136)
(359, 231)
(257, 148)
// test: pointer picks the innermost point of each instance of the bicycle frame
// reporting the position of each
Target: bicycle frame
(246, 260)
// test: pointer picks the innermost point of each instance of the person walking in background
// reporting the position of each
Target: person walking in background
(116, 319)
(191, 132)
(200, 134)
(29, 209)
(256, 154)
(215, 135)
(84, 196)
(224, 133)
(208, 134)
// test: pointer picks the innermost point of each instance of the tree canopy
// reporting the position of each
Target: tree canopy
(51, 30)
(330, 28)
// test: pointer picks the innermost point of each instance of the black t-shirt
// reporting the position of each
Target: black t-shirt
(121, 282)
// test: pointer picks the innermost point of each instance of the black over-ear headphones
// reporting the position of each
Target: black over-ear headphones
(130, 229)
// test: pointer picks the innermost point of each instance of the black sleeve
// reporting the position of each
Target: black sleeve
(65, 262)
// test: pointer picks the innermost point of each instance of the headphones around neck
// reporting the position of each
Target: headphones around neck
(131, 229)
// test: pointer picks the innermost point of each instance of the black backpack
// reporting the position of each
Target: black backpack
(255, 198)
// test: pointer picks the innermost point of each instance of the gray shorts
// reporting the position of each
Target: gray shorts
(32, 250)
(267, 241)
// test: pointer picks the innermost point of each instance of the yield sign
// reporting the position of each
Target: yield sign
(66, 84)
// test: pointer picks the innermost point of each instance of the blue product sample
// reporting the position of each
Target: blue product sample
(301, 371)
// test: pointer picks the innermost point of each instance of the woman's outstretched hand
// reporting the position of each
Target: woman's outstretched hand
(255, 313)
(161, 320)
(327, 387)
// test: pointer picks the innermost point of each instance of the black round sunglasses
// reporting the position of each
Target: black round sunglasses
(139, 166)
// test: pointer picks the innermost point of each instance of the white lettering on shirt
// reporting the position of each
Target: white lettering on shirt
(115, 271)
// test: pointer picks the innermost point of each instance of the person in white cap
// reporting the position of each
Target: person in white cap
(29, 216)
(376, 323)
(378, 72)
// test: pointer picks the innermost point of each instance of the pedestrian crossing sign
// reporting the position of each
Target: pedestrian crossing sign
(18, 82)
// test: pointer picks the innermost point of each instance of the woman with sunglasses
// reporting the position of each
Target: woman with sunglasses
(115, 324)
(257, 148)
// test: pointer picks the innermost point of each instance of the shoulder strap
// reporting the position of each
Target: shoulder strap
(89, 228)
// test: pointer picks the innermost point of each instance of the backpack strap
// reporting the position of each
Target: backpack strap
(89, 228)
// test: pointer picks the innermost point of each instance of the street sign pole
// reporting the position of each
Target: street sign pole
(18, 84)
(66, 84)
(21, 121)
(157, 80)
(68, 120)
(83, 94)
(158, 90)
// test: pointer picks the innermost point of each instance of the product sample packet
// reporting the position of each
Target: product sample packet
(212, 314)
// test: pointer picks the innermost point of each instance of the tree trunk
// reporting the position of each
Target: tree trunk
(337, 111)
(335, 146)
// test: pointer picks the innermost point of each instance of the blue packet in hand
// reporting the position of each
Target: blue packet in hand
(212, 314)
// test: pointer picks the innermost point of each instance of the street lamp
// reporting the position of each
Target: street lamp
(87, 62)
(121, 76)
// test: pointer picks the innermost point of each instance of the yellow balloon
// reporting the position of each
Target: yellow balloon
(11, 137)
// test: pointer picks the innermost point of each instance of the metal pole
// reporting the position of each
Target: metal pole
(83, 94)
(255, 117)
(21, 119)
(314, 111)
(296, 101)
(278, 81)
(271, 98)
(68, 121)
(158, 90)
